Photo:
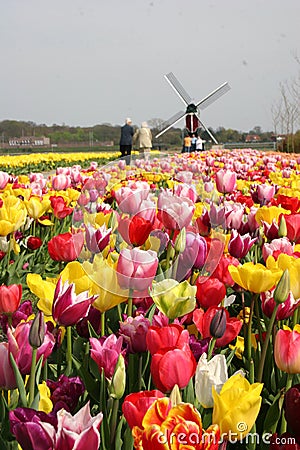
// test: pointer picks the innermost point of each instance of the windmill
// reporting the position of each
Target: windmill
(192, 113)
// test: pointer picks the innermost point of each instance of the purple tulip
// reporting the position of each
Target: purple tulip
(68, 308)
(33, 429)
(65, 392)
(292, 410)
(7, 376)
(134, 332)
(198, 347)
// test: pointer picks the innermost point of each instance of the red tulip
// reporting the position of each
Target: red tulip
(221, 271)
(10, 298)
(210, 292)
(59, 206)
(292, 226)
(160, 338)
(136, 405)
(203, 320)
(135, 230)
(66, 247)
(167, 368)
(34, 242)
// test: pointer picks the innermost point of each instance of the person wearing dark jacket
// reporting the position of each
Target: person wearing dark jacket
(127, 132)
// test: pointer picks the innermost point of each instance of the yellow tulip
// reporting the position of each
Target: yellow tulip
(239, 346)
(12, 215)
(75, 273)
(44, 290)
(236, 407)
(105, 284)
(37, 207)
(254, 277)
(174, 299)
(269, 213)
(45, 404)
(293, 265)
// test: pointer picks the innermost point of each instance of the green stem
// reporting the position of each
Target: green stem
(296, 316)
(288, 385)
(8, 252)
(211, 347)
(140, 370)
(103, 323)
(249, 329)
(175, 265)
(69, 351)
(32, 376)
(113, 421)
(265, 345)
(169, 248)
(129, 303)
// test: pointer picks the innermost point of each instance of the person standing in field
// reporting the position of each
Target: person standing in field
(143, 139)
(187, 141)
(127, 133)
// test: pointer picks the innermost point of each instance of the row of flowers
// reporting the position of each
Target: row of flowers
(153, 305)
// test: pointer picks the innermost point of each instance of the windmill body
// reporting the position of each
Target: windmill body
(192, 112)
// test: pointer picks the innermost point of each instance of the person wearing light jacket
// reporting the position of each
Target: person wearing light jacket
(143, 139)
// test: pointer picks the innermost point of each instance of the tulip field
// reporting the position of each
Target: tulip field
(150, 304)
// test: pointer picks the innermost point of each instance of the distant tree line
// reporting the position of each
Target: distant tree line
(96, 135)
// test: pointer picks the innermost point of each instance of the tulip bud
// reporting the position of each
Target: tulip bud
(175, 396)
(282, 230)
(37, 331)
(180, 241)
(282, 289)
(218, 324)
(118, 382)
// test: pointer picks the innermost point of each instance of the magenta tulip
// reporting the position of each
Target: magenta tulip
(68, 308)
(134, 331)
(7, 376)
(238, 245)
(18, 344)
(136, 269)
(105, 352)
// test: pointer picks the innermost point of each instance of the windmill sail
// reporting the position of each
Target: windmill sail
(178, 88)
(169, 123)
(207, 130)
(213, 96)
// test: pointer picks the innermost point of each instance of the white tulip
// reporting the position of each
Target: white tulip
(209, 374)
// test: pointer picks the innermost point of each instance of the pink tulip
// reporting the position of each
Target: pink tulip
(4, 179)
(105, 352)
(18, 344)
(265, 193)
(174, 212)
(68, 308)
(61, 182)
(130, 197)
(97, 238)
(7, 376)
(287, 350)
(225, 181)
(63, 170)
(185, 191)
(276, 247)
(78, 431)
(136, 269)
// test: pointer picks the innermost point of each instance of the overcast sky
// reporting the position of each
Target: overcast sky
(85, 62)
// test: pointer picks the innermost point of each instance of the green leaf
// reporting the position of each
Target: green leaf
(273, 414)
(90, 383)
(128, 439)
(118, 439)
(20, 381)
